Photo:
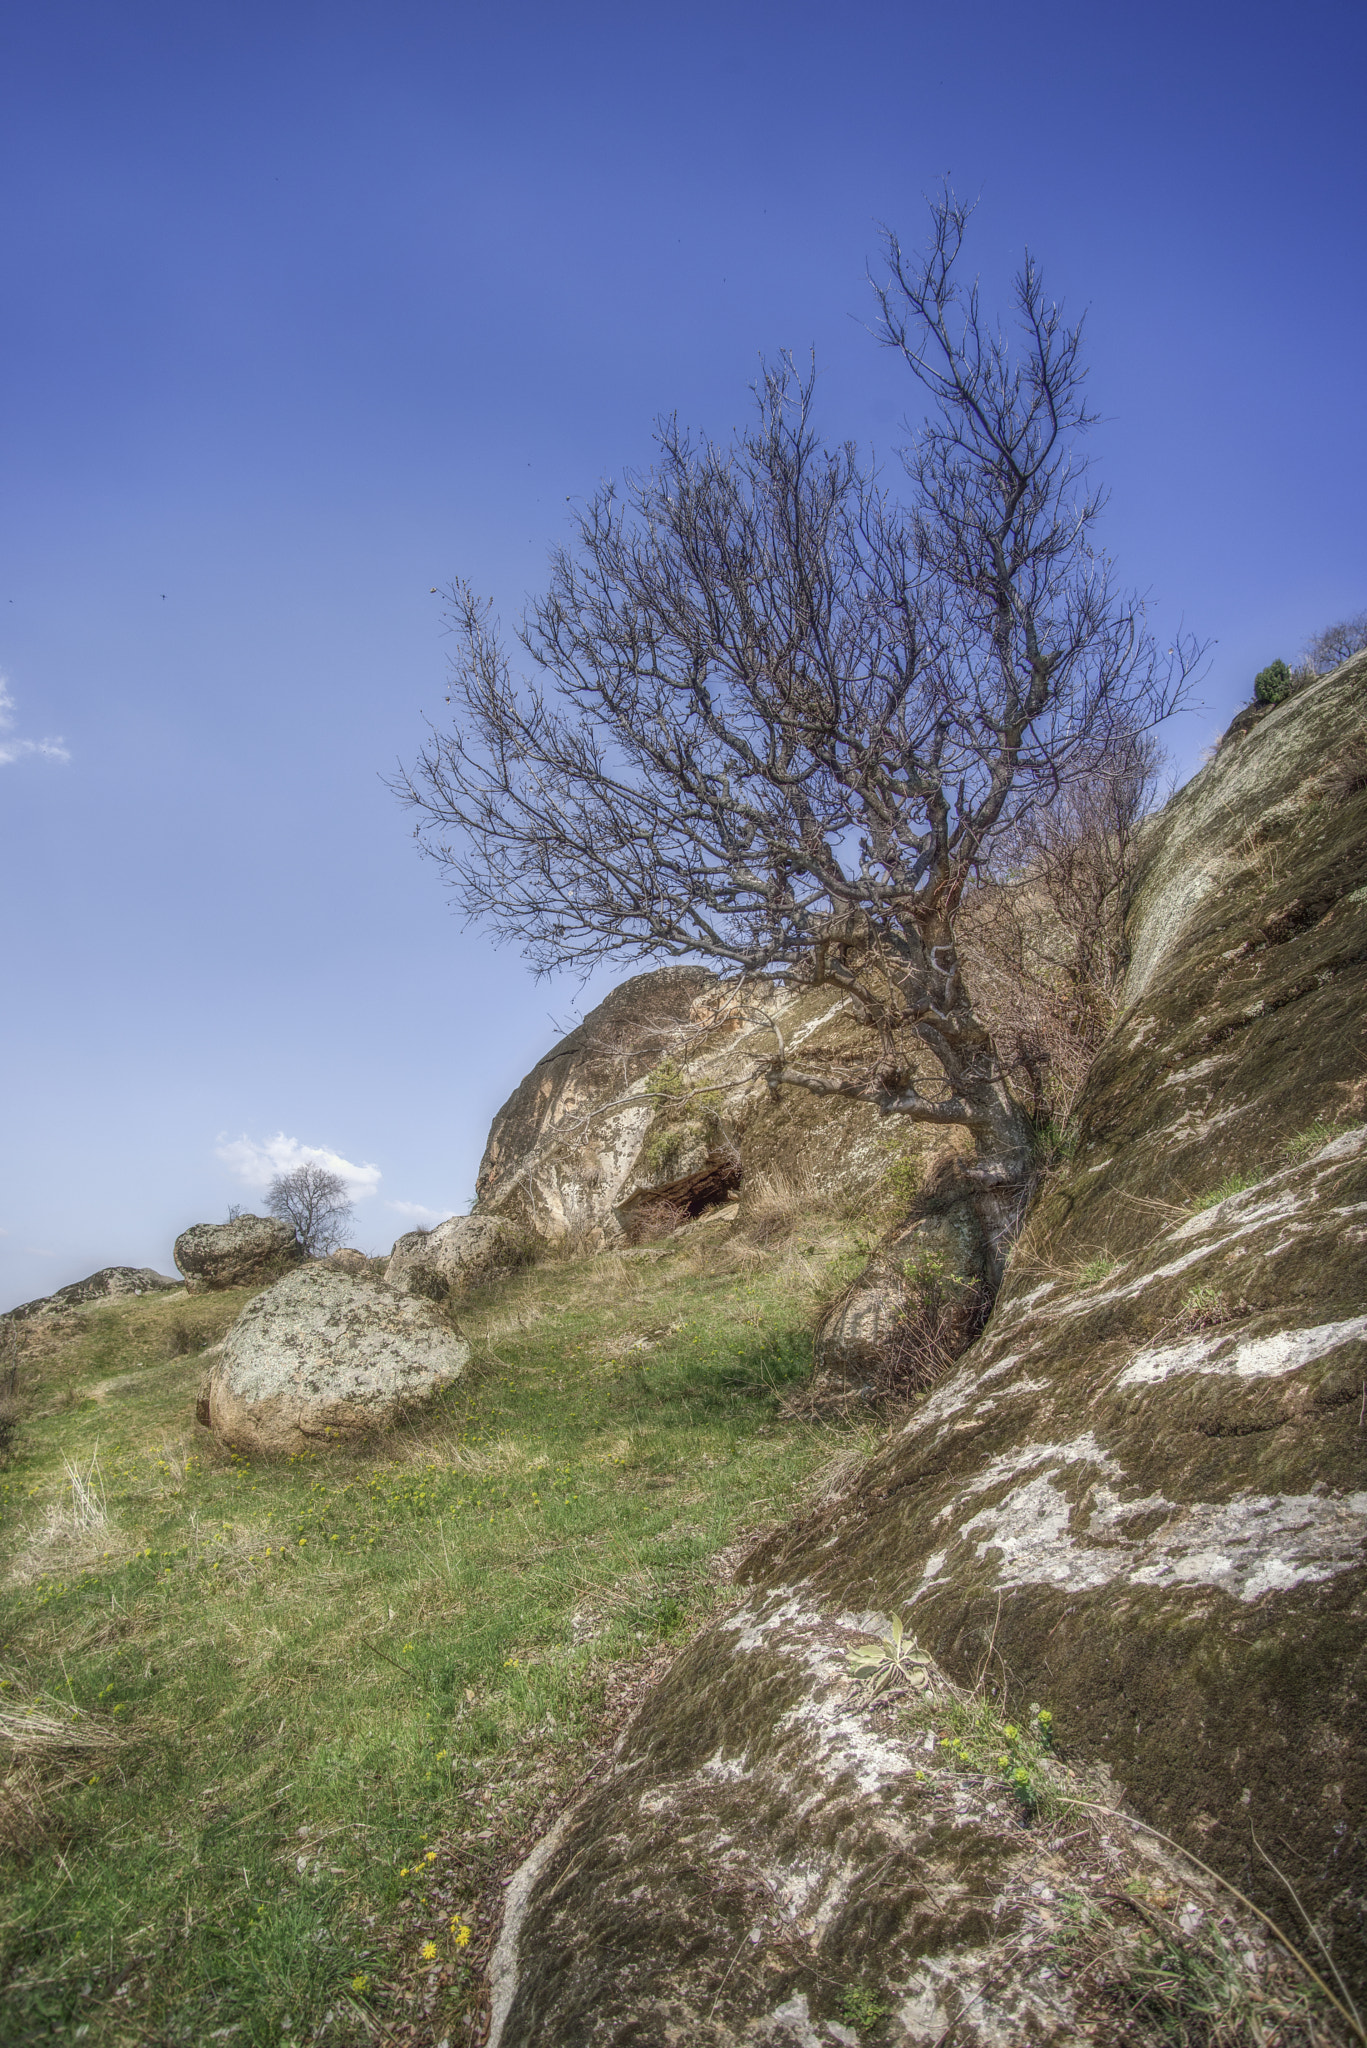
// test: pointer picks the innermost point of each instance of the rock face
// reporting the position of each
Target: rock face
(443, 1262)
(1140, 1500)
(247, 1252)
(321, 1356)
(109, 1283)
(660, 1093)
(349, 1260)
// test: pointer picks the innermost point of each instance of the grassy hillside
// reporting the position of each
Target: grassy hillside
(273, 1732)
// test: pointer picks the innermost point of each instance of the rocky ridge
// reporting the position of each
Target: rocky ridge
(108, 1284)
(1140, 1499)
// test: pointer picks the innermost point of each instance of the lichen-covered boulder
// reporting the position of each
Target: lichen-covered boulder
(661, 1095)
(445, 1261)
(1139, 1501)
(248, 1252)
(109, 1284)
(322, 1357)
(348, 1260)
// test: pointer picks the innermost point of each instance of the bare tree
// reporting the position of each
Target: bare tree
(1337, 644)
(316, 1202)
(779, 721)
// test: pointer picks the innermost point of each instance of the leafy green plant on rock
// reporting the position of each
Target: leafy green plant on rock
(891, 1662)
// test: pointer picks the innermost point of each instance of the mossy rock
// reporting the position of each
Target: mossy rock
(1140, 1499)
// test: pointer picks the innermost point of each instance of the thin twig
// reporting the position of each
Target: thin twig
(1318, 1937)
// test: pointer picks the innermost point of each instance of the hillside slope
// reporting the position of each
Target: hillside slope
(1140, 1501)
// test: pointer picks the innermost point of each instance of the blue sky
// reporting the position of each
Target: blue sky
(309, 308)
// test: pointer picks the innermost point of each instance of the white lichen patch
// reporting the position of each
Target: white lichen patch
(1081, 1450)
(1267, 1357)
(1246, 1547)
(1196, 1073)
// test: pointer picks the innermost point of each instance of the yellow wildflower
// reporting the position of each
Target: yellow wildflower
(429, 1951)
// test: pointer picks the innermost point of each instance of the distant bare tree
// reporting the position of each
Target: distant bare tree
(1337, 644)
(316, 1202)
(782, 722)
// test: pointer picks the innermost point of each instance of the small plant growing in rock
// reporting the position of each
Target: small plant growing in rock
(860, 2007)
(1272, 684)
(972, 1734)
(1310, 1140)
(663, 1150)
(902, 1177)
(1205, 1308)
(892, 1661)
(943, 1314)
(1096, 1270)
(1054, 1143)
(1233, 1184)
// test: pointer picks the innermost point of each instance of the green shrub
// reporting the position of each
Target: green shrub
(663, 1150)
(902, 1176)
(1273, 683)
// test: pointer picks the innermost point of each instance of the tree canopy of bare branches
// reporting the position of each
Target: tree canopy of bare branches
(316, 1202)
(778, 718)
(1337, 643)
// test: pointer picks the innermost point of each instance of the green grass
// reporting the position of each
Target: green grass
(1311, 1140)
(303, 1712)
(1234, 1184)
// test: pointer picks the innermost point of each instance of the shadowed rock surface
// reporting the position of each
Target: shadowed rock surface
(247, 1252)
(107, 1284)
(321, 1356)
(1140, 1499)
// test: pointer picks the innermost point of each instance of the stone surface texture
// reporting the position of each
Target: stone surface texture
(248, 1252)
(106, 1285)
(1140, 1499)
(465, 1249)
(592, 1131)
(321, 1357)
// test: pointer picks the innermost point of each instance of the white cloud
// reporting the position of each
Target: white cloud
(418, 1214)
(257, 1163)
(15, 750)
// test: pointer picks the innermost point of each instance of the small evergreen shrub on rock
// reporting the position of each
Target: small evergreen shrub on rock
(1273, 683)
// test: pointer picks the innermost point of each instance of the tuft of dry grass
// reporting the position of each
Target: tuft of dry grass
(775, 1203)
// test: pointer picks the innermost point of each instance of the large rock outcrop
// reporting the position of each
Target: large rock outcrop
(248, 1252)
(1140, 1500)
(111, 1283)
(661, 1094)
(321, 1357)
